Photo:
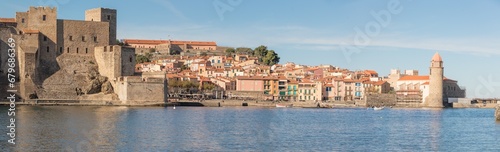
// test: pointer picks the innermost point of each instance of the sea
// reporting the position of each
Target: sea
(83, 128)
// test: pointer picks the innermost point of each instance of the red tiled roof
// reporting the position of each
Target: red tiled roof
(414, 77)
(8, 20)
(175, 42)
(419, 78)
(371, 72)
(379, 82)
(256, 78)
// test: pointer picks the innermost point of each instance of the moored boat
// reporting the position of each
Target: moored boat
(378, 108)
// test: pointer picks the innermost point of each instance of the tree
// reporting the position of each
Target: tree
(149, 55)
(208, 86)
(267, 57)
(271, 58)
(230, 50)
(244, 50)
(184, 67)
(141, 59)
(121, 43)
(203, 54)
(260, 52)
(152, 50)
(175, 52)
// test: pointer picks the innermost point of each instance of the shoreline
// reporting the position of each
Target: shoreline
(223, 103)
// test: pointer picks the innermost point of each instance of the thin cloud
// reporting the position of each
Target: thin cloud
(172, 9)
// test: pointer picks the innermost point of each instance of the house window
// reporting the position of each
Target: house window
(83, 38)
(95, 38)
(76, 50)
(44, 38)
(60, 49)
(86, 50)
(71, 38)
(67, 51)
(44, 17)
(47, 49)
(130, 58)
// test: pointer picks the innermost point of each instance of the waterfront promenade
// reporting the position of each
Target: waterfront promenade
(230, 103)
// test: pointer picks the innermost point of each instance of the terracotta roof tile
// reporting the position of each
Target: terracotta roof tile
(418, 78)
(8, 20)
(175, 42)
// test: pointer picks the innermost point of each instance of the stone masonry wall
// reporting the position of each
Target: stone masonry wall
(108, 60)
(104, 15)
(378, 100)
(81, 37)
(135, 88)
(127, 61)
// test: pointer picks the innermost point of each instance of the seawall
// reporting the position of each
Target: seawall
(55, 102)
(497, 113)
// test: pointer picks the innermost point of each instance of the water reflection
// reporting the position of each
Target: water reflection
(246, 128)
(435, 128)
(68, 128)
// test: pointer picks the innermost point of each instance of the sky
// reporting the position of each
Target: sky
(355, 34)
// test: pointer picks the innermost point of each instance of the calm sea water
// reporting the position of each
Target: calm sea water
(250, 129)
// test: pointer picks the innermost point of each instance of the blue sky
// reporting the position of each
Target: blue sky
(466, 33)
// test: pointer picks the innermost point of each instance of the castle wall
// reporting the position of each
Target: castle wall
(104, 15)
(108, 60)
(22, 20)
(115, 61)
(127, 61)
(134, 89)
(44, 19)
(81, 37)
(27, 51)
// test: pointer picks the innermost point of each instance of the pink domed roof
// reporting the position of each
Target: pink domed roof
(437, 57)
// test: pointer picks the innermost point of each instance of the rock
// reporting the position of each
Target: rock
(107, 88)
(33, 96)
(92, 73)
(95, 85)
(497, 112)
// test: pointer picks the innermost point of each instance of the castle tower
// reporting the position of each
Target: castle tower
(104, 15)
(435, 98)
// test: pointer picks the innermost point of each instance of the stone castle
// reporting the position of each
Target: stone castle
(74, 59)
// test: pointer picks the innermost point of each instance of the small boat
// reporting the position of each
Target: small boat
(173, 107)
(378, 108)
(284, 106)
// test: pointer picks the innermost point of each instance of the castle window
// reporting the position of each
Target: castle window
(60, 50)
(109, 17)
(71, 38)
(83, 38)
(86, 50)
(67, 51)
(47, 49)
(22, 20)
(76, 50)
(44, 17)
(45, 38)
(130, 58)
(95, 38)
